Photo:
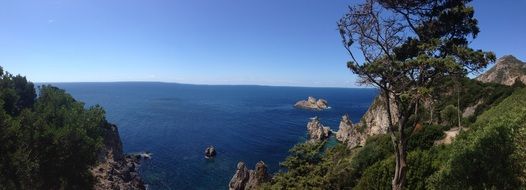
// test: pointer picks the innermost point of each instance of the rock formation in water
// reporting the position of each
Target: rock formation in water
(115, 170)
(349, 134)
(507, 71)
(245, 179)
(210, 152)
(312, 103)
(316, 131)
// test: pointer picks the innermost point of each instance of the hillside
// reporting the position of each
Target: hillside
(52, 141)
(490, 155)
(506, 71)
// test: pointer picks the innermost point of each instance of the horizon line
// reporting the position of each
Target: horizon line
(204, 84)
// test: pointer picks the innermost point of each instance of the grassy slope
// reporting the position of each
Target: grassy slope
(491, 154)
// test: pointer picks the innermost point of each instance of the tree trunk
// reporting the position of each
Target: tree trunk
(458, 106)
(399, 143)
(401, 165)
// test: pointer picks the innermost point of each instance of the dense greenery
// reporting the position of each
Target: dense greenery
(49, 141)
(409, 48)
(489, 155)
(471, 93)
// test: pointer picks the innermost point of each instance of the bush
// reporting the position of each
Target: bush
(426, 138)
(449, 115)
(49, 142)
(488, 156)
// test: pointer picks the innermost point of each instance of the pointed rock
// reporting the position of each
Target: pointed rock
(245, 179)
(316, 131)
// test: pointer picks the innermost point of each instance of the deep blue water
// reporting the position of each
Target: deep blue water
(176, 122)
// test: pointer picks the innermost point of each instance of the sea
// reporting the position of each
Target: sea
(176, 122)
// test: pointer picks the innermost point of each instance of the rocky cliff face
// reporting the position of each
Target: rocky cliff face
(316, 131)
(115, 170)
(375, 120)
(349, 134)
(312, 103)
(245, 179)
(507, 70)
(112, 148)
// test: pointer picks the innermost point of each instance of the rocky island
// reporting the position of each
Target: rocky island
(312, 104)
(210, 152)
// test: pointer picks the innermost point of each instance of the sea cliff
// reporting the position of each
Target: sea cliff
(115, 170)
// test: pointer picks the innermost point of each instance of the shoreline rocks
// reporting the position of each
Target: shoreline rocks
(316, 130)
(245, 179)
(312, 103)
(115, 170)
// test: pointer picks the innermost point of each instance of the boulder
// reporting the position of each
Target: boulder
(316, 130)
(210, 152)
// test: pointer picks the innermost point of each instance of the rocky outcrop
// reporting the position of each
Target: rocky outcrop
(258, 176)
(375, 120)
(112, 149)
(210, 152)
(316, 131)
(312, 103)
(114, 170)
(245, 179)
(507, 70)
(349, 134)
(122, 174)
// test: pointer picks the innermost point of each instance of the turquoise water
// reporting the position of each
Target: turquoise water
(176, 122)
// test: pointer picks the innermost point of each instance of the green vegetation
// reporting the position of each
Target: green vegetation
(49, 141)
(409, 49)
(449, 115)
(472, 92)
(490, 155)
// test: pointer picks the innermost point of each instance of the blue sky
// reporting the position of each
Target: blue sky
(266, 42)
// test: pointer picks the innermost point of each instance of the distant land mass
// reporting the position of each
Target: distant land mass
(507, 70)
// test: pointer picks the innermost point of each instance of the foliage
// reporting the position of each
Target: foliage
(49, 142)
(426, 138)
(304, 170)
(408, 49)
(489, 155)
(473, 92)
(449, 115)
(378, 176)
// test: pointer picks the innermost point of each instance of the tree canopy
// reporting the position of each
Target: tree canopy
(49, 141)
(408, 49)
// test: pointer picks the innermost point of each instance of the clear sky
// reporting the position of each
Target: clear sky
(266, 42)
